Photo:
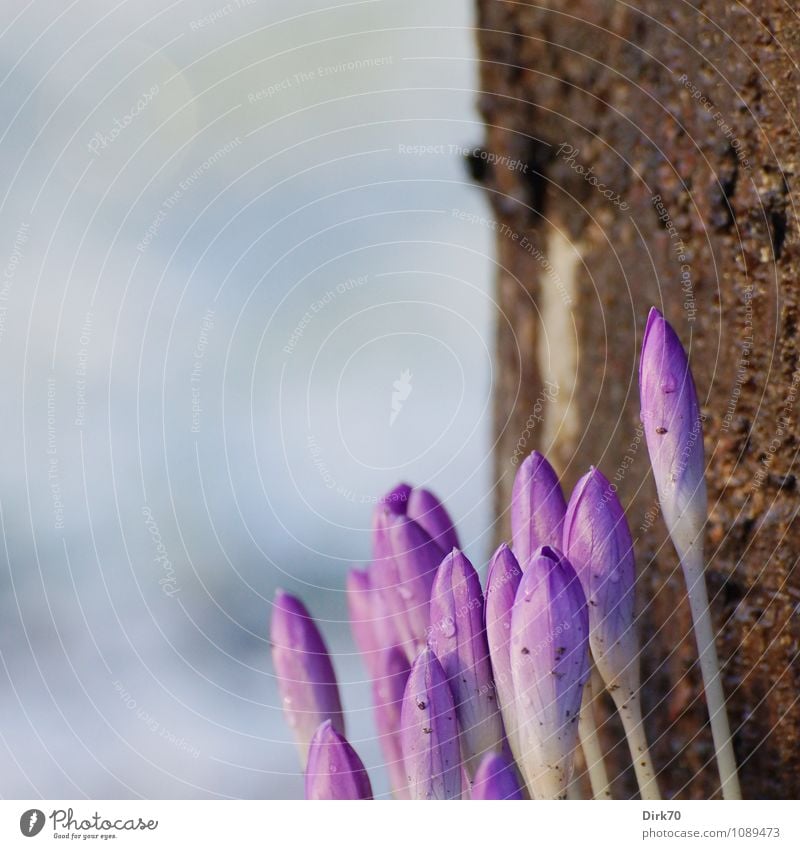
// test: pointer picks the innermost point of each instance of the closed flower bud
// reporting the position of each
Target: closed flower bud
(550, 665)
(496, 778)
(458, 638)
(403, 568)
(334, 769)
(537, 508)
(598, 544)
(429, 731)
(306, 680)
(501, 590)
(673, 430)
(369, 623)
(388, 688)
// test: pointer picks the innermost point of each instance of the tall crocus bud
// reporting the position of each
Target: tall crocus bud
(598, 543)
(673, 430)
(360, 609)
(458, 638)
(501, 590)
(429, 731)
(427, 511)
(334, 769)
(537, 508)
(305, 675)
(388, 687)
(369, 622)
(424, 508)
(404, 564)
(674, 434)
(550, 665)
(496, 778)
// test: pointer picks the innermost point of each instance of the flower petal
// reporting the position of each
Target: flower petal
(430, 732)
(549, 665)
(537, 508)
(306, 680)
(334, 769)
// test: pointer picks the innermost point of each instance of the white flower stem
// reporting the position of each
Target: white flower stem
(630, 712)
(590, 743)
(574, 793)
(694, 573)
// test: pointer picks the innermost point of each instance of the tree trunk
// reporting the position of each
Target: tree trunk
(686, 117)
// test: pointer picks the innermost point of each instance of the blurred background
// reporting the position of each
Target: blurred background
(230, 232)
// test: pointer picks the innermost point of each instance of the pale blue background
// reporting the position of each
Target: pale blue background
(110, 686)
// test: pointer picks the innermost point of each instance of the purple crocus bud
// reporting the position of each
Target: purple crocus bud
(673, 431)
(501, 590)
(427, 511)
(496, 778)
(458, 638)
(674, 434)
(598, 544)
(360, 608)
(430, 732)
(334, 769)
(537, 508)
(424, 508)
(402, 572)
(369, 622)
(395, 500)
(304, 671)
(388, 688)
(550, 665)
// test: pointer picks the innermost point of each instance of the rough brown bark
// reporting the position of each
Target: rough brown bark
(721, 147)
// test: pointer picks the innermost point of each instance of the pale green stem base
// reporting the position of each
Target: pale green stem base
(694, 573)
(590, 743)
(574, 790)
(630, 712)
